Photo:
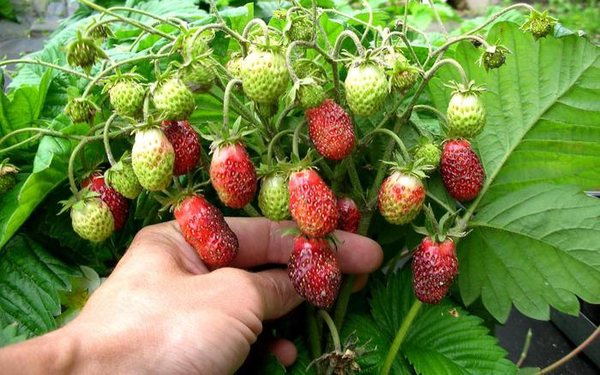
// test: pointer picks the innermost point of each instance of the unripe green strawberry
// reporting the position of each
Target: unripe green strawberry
(80, 110)
(366, 88)
(310, 95)
(153, 159)
(193, 47)
(198, 75)
(493, 57)
(403, 76)
(122, 178)
(92, 220)
(234, 65)
(274, 197)
(7, 176)
(264, 76)
(539, 24)
(299, 28)
(430, 155)
(466, 113)
(174, 100)
(99, 31)
(401, 198)
(127, 97)
(83, 52)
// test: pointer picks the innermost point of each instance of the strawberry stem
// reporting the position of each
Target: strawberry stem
(46, 64)
(406, 323)
(395, 137)
(332, 328)
(109, 154)
(226, 98)
(314, 334)
(296, 139)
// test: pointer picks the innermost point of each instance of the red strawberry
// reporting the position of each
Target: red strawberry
(348, 215)
(186, 144)
(119, 207)
(205, 229)
(401, 198)
(331, 130)
(461, 170)
(233, 175)
(314, 271)
(434, 267)
(312, 203)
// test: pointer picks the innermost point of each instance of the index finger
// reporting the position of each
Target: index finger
(261, 242)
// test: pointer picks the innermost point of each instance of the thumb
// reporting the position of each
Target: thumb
(278, 294)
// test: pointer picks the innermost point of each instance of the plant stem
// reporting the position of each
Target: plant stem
(41, 132)
(438, 18)
(19, 144)
(135, 23)
(71, 168)
(431, 109)
(395, 137)
(314, 336)
(525, 347)
(495, 16)
(109, 154)
(226, 98)
(353, 174)
(109, 69)
(406, 323)
(142, 12)
(571, 355)
(347, 34)
(296, 140)
(366, 4)
(343, 300)
(274, 140)
(251, 211)
(47, 64)
(332, 328)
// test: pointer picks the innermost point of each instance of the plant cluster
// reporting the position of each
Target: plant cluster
(304, 112)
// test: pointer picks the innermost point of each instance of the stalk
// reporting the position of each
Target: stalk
(406, 323)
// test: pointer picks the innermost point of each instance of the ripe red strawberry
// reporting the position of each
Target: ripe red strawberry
(348, 215)
(119, 206)
(434, 267)
(233, 175)
(312, 203)
(186, 144)
(461, 170)
(331, 130)
(314, 271)
(205, 229)
(401, 198)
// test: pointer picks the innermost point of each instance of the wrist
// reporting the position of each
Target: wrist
(53, 353)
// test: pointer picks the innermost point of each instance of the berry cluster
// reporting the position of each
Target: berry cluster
(167, 159)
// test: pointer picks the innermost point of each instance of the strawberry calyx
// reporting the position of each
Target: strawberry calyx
(468, 89)
(539, 24)
(119, 76)
(295, 232)
(82, 195)
(224, 136)
(6, 168)
(416, 168)
(440, 231)
(172, 200)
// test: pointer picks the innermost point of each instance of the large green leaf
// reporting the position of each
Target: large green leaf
(30, 281)
(442, 339)
(49, 171)
(530, 243)
(535, 247)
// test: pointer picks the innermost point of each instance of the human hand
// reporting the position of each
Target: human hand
(162, 312)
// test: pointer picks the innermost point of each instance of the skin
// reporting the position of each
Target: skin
(162, 312)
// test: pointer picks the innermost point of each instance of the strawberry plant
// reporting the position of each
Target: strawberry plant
(469, 152)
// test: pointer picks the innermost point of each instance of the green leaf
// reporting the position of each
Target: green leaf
(49, 171)
(443, 339)
(543, 126)
(31, 279)
(10, 335)
(23, 106)
(7, 10)
(535, 247)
